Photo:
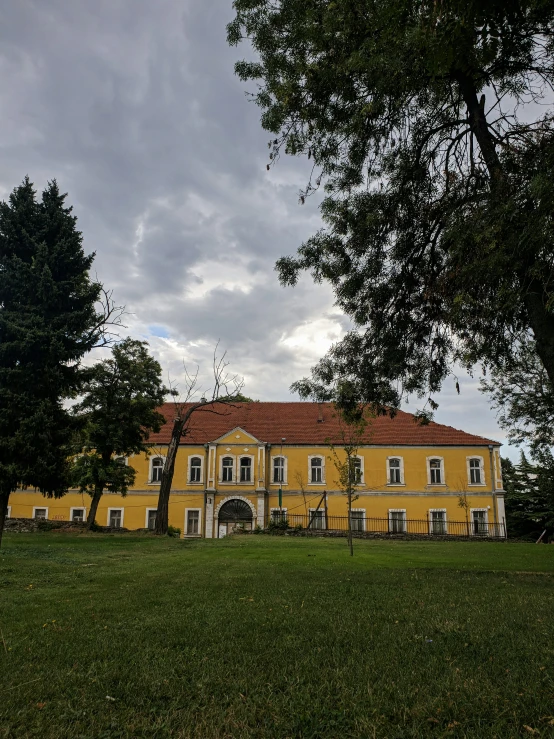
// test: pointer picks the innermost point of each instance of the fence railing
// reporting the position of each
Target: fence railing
(392, 525)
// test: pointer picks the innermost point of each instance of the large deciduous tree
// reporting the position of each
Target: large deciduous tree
(48, 321)
(117, 413)
(420, 122)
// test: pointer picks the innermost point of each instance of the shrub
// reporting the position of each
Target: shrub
(174, 531)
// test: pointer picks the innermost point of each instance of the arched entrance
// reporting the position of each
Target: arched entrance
(233, 513)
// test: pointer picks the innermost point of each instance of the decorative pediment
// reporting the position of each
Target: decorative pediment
(237, 436)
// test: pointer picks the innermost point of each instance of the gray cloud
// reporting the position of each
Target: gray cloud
(133, 106)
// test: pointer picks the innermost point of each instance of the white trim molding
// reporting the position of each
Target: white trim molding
(189, 469)
(434, 458)
(397, 510)
(445, 520)
(320, 517)
(78, 508)
(185, 529)
(240, 457)
(395, 484)
(119, 508)
(150, 468)
(481, 469)
(285, 469)
(40, 508)
(361, 481)
(233, 469)
(359, 510)
(236, 497)
(281, 511)
(122, 457)
(473, 522)
(322, 458)
(147, 511)
(9, 512)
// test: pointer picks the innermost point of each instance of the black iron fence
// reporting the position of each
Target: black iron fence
(395, 524)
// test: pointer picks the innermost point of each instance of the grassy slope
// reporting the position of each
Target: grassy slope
(273, 637)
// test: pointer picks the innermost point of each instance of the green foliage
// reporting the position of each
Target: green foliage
(174, 532)
(522, 395)
(529, 496)
(279, 524)
(438, 238)
(48, 322)
(117, 413)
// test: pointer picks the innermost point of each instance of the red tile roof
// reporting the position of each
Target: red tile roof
(299, 423)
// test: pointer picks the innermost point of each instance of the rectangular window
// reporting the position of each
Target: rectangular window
(78, 515)
(394, 472)
(193, 523)
(196, 470)
(151, 520)
(435, 472)
(397, 522)
(278, 514)
(316, 470)
(480, 525)
(279, 470)
(227, 469)
(245, 469)
(115, 518)
(358, 521)
(317, 519)
(438, 522)
(475, 471)
(40, 514)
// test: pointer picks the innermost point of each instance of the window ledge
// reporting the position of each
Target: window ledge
(316, 483)
(277, 484)
(154, 483)
(477, 484)
(194, 483)
(396, 484)
(437, 485)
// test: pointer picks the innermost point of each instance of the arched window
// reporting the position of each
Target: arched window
(279, 469)
(435, 471)
(157, 469)
(395, 477)
(316, 469)
(475, 471)
(245, 469)
(196, 469)
(227, 469)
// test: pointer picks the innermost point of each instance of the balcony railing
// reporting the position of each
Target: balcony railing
(392, 525)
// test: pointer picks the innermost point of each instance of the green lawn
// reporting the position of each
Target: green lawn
(130, 636)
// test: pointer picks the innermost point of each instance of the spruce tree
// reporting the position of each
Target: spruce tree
(48, 322)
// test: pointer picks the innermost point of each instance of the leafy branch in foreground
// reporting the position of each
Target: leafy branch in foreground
(422, 125)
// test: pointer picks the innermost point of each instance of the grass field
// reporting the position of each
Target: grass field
(129, 636)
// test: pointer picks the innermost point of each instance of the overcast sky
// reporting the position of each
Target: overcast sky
(133, 107)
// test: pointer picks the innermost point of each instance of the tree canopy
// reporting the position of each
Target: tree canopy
(117, 412)
(529, 496)
(48, 322)
(420, 121)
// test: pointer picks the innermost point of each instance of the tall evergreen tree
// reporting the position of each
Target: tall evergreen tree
(48, 322)
(419, 119)
(529, 496)
(118, 411)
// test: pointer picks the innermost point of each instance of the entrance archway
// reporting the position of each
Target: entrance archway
(233, 513)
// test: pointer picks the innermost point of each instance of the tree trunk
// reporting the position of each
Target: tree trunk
(350, 539)
(534, 293)
(4, 499)
(162, 514)
(91, 518)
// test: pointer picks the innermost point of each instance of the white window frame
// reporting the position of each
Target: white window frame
(285, 469)
(395, 484)
(189, 469)
(360, 510)
(362, 471)
(486, 512)
(322, 517)
(9, 512)
(40, 508)
(78, 508)
(282, 511)
(316, 456)
(443, 476)
(145, 516)
(233, 468)
(438, 510)
(398, 510)
(118, 508)
(199, 534)
(252, 475)
(123, 457)
(481, 469)
(150, 467)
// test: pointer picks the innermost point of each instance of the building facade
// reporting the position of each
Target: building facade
(234, 460)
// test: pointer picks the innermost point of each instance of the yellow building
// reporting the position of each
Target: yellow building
(429, 479)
